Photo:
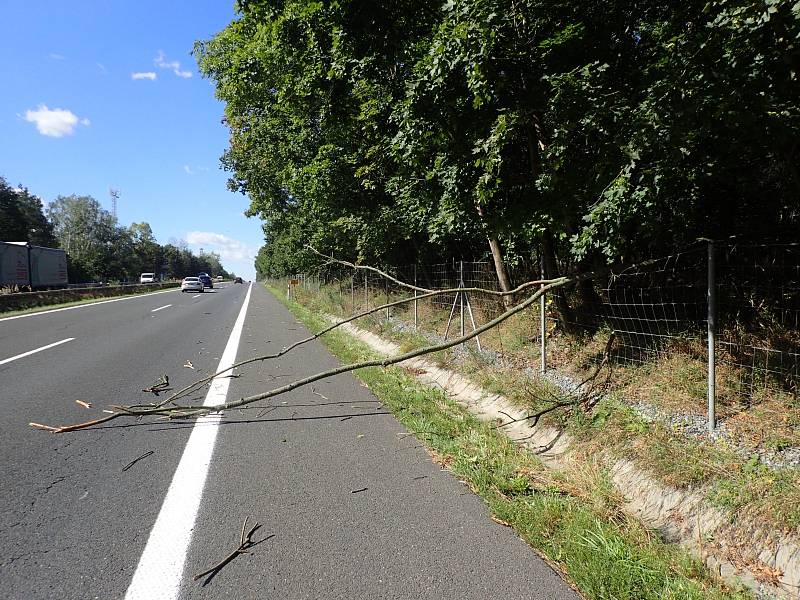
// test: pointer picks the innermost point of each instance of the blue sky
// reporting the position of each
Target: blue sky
(99, 94)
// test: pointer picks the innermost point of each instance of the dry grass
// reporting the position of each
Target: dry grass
(674, 380)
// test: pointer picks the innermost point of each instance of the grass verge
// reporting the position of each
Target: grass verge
(92, 300)
(737, 484)
(576, 524)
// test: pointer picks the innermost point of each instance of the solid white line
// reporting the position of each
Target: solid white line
(24, 354)
(160, 568)
(161, 308)
(197, 296)
(52, 310)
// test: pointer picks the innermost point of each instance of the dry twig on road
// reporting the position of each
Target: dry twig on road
(135, 460)
(245, 544)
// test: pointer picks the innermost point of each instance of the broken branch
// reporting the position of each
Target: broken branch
(246, 542)
(198, 410)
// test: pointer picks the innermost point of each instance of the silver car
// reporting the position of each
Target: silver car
(191, 284)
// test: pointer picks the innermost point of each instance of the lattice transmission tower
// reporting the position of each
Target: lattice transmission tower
(114, 197)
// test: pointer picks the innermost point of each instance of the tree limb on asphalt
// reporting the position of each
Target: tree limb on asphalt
(183, 412)
(428, 294)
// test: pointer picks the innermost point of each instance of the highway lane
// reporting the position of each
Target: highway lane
(70, 519)
(356, 510)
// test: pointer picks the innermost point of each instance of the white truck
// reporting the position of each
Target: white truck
(22, 264)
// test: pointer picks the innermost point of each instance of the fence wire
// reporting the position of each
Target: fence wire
(759, 318)
(657, 310)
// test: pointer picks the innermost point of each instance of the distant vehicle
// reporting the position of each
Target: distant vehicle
(206, 280)
(147, 278)
(219, 277)
(238, 280)
(191, 284)
(22, 264)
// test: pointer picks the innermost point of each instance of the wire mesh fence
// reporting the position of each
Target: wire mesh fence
(657, 311)
(758, 338)
(649, 308)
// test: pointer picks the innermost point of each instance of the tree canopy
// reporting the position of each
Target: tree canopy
(588, 131)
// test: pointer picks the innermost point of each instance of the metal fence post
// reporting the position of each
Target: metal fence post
(353, 294)
(366, 292)
(386, 290)
(543, 331)
(416, 315)
(461, 295)
(712, 317)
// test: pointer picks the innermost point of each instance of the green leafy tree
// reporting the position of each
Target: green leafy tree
(583, 132)
(22, 217)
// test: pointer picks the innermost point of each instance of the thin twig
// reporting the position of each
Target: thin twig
(246, 542)
(313, 391)
(135, 460)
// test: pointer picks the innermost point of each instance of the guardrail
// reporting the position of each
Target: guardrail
(23, 300)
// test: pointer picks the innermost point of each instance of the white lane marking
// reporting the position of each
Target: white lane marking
(24, 354)
(52, 310)
(160, 568)
(197, 296)
(161, 308)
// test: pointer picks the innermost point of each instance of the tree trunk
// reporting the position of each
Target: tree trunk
(499, 264)
(565, 312)
(535, 144)
(497, 257)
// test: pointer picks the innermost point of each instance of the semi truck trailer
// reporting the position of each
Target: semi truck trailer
(37, 267)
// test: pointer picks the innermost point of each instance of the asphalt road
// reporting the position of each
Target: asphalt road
(348, 508)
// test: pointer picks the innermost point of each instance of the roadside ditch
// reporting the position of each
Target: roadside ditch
(738, 550)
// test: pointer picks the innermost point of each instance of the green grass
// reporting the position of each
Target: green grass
(613, 427)
(576, 524)
(45, 307)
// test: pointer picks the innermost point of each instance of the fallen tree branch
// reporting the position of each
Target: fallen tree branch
(586, 398)
(428, 294)
(329, 260)
(182, 412)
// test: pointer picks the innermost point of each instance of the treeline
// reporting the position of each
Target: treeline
(396, 131)
(98, 247)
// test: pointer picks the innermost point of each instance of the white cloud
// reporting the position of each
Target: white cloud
(56, 122)
(162, 63)
(144, 75)
(188, 170)
(56, 56)
(227, 248)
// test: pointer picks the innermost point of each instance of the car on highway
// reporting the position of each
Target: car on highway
(207, 282)
(147, 278)
(219, 277)
(238, 280)
(191, 284)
